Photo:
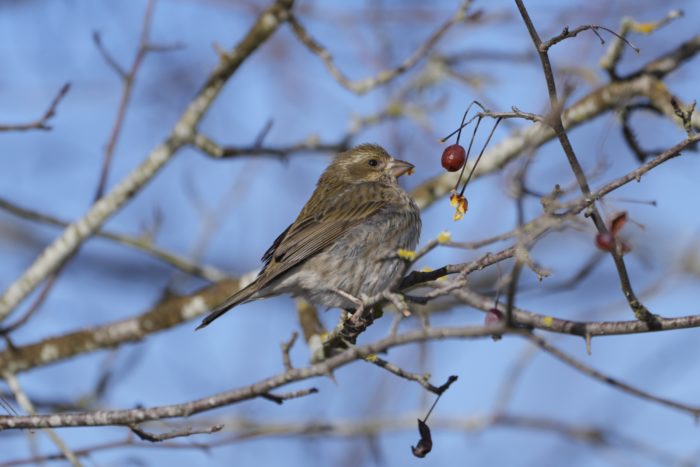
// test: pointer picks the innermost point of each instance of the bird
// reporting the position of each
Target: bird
(343, 245)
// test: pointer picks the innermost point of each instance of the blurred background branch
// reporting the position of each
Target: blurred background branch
(92, 359)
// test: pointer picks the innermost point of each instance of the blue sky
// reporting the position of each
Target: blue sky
(45, 44)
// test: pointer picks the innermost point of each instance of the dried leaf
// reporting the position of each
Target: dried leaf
(617, 223)
(425, 443)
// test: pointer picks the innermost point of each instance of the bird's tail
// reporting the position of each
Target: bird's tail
(243, 295)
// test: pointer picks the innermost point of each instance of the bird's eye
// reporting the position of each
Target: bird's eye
(373, 162)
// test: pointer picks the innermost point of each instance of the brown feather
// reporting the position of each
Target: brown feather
(350, 192)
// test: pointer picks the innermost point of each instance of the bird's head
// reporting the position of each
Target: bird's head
(366, 163)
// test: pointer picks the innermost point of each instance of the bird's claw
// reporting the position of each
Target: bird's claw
(358, 302)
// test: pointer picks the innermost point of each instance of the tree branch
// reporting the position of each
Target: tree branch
(56, 253)
(363, 86)
(40, 123)
(144, 244)
(259, 389)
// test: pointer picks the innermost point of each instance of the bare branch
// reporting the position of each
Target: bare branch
(179, 433)
(111, 61)
(244, 429)
(564, 209)
(585, 369)
(670, 62)
(211, 149)
(144, 244)
(263, 388)
(686, 115)
(555, 117)
(644, 82)
(569, 33)
(128, 78)
(42, 122)
(363, 86)
(168, 313)
(286, 347)
(56, 253)
(174, 311)
(423, 380)
(611, 58)
(280, 398)
(583, 329)
(26, 404)
(260, 389)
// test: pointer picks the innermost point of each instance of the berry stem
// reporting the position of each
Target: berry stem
(493, 130)
(469, 148)
(467, 123)
(464, 117)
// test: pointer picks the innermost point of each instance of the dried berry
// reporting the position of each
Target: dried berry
(459, 202)
(605, 241)
(493, 317)
(617, 223)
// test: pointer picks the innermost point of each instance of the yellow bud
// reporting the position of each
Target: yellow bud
(645, 28)
(371, 358)
(444, 237)
(548, 321)
(408, 255)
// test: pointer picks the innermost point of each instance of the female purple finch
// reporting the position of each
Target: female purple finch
(345, 240)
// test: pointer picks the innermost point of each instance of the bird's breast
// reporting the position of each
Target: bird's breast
(362, 261)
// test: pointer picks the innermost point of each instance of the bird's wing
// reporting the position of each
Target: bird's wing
(313, 232)
(318, 225)
(267, 256)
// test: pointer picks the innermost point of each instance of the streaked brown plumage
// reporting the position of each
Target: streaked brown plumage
(355, 220)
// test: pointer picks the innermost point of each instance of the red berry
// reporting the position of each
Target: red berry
(493, 316)
(453, 157)
(605, 241)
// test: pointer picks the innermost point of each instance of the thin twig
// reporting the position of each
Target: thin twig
(587, 370)
(40, 123)
(613, 54)
(422, 379)
(280, 398)
(144, 244)
(555, 118)
(365, 85)
(128, 79)
(286, 347)
(569, 33)
(312, 145)
(179, 433)
(26, 404)
(521, 253)
(33, 307)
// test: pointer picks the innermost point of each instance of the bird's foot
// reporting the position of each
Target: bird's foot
(358, 302)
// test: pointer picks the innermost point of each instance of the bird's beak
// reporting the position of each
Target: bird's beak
(398, 167)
